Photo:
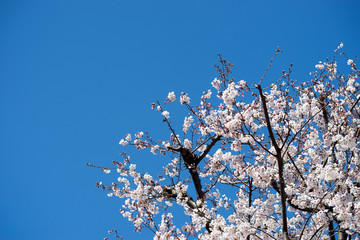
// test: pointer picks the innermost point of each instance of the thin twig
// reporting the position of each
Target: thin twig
(267, 69)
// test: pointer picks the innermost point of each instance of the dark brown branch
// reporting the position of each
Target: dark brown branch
(331, 230)
(316, 232)
(271, 61)
(297, 169)
(262, 146)
(301, 128)
(190, 159)
(276, 187)
(342, 234)
(280, 165)
(324, 110)
(267, 119)
(197, 182)
(249, 202)
(169, 125)
(354, 104)
(287, 137)
(207, 150)
(170, 192)
(308, 219)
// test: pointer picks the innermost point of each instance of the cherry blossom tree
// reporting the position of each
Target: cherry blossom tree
(253, 161)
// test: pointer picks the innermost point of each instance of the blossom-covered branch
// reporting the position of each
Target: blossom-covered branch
(252, 161)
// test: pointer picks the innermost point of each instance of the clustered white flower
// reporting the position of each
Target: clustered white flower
(187, 123)
(171, 96)
(166, 114)
(184, 99)
(311, 132)
(230, 94)
(216, 84)
(320, 66)
(123, 142)
(187, 143)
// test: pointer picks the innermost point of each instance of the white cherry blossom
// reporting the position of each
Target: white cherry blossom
(261, 162)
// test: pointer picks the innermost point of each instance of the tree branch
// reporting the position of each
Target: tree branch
(190, 160)
(280, 162)
(207, 150)
(171, 193)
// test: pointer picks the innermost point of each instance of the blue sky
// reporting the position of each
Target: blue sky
(77, 75)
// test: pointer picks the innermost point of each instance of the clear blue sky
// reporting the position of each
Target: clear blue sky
(77, 75)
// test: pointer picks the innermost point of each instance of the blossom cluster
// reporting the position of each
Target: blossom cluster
(259, 162)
